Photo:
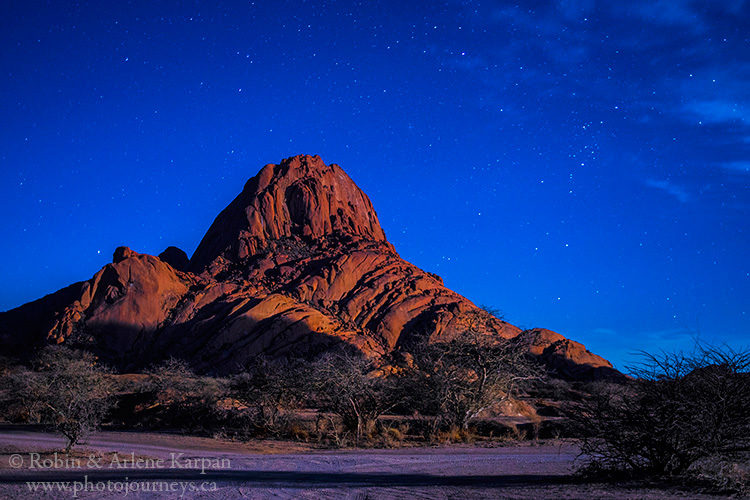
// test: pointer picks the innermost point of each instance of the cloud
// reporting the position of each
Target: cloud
(670, 12)
(718, 111)
(542, 33)
(716, 95)
(575, 9)
(742, 167)
(678, 67)
(695, 16)
(678, 333)
(672, 189)
(467, 62)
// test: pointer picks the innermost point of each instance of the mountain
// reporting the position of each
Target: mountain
(296, 264)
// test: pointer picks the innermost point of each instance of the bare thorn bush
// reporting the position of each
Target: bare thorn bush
(679, 412)
(68, 391)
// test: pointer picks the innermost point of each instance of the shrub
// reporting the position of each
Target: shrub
(679, 410)
(726, 475)
(459, 379)
(68, 391)
(270, 389)
(178, 398)
(349, 386)
(455, 435)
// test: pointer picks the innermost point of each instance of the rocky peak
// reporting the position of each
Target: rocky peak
(300, 198)
(322, 276)
(122, 253)
(176, 258)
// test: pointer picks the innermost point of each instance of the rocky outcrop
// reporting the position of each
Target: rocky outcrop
(297, 263)
(123, 303)
(176, 258)
(569, 359)
(301, 198)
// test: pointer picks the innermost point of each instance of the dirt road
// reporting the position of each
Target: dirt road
(166, 466)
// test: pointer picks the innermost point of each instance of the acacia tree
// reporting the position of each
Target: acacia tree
(172, 381)
(458, 379)
(270, 389)
(69, 391)
(187, 400)
(350, 386)
(677, 410)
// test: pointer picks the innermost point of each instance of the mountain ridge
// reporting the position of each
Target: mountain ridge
(296, 264)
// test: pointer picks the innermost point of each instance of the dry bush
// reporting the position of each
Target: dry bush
(455, 435)
(178, 398)
(271, 390)
(393, 434)
(329, 430)
(727, 475)
(68, 391)
(455, 381)
(680, 410)
(297, 432)
(349, 386)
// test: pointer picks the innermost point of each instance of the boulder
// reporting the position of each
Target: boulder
(176, 258)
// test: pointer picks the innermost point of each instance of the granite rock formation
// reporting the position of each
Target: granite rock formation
(296, 264)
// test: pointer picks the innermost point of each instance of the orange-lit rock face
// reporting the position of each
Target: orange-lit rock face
(300, 198)
(297, 263)
(568, 358)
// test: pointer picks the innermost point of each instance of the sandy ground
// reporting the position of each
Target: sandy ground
(206, 468)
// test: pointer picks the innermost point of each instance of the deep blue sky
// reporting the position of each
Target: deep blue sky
(580, 165)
